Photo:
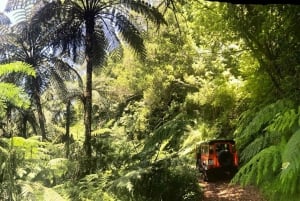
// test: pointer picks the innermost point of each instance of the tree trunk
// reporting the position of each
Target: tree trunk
(68, 122)
(88, 91)
(41, 117)
(24, 126)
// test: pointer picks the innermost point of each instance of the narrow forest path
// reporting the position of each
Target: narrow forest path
(224, 191)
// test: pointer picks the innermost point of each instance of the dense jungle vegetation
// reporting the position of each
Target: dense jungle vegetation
(106, 100)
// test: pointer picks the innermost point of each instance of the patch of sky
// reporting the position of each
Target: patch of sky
(2, 5)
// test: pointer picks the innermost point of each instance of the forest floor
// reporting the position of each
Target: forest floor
(224, 191)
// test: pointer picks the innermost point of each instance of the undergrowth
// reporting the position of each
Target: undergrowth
(270, 145)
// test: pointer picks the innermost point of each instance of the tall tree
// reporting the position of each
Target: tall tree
(28, 39)
(96, 27)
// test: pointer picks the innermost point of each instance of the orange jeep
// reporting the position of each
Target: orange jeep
(216, 157)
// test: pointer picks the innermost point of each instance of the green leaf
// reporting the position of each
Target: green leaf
(17, 67)
(291, 165)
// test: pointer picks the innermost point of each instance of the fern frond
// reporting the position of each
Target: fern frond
(146, 9)
(258, 144)
(26, 191)
(131, 35)
(36, 191)
(29, 146)
(102, 131)
(14, 95)
(252, 149)
(284, 121)
(59, 166)
(263, 167)
(291, 166)
(19, 67)
(170, 132)
(260, 120)
(125, 184)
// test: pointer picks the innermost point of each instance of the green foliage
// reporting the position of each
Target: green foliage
(163, 180)
(10, 92)
(36, 191)
(270, 150)
(263, 167)
(29, 147)
(267, 134)
(223, 72)
(291, 165)
(10, 161)
(17, 67)
(27, 170)
(91, 187)
(254, 122)
(14, 95)
(167, 137)
(4, 155)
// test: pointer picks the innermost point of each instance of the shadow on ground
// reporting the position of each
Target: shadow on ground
(222, 190)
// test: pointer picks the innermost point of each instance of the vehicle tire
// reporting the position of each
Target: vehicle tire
(203, 172)
(225, 158)
(205, 176)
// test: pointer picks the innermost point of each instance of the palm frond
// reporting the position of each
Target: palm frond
(100, 47)
(131, 34)
(46, 13)
(19, 4)
(146, 9)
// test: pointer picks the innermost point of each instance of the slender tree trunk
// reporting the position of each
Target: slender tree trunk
(8, 122)
(24, 126)
(68, 121)
(41, 117)
(88, 91)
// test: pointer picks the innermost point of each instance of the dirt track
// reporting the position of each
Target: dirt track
(223, 191)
